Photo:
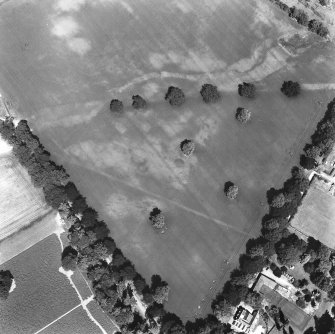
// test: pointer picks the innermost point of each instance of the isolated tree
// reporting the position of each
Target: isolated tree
(243, 115)
(278, 201)
(6, 280)
(157, 218)
(290, 88)
(210, 93)
(231, 190)
(175, 96)
(116, 106)
(187, 147)
(247, 90)
(138, 102)
(69, 258)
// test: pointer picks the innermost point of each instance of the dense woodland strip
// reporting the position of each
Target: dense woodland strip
(114, 279)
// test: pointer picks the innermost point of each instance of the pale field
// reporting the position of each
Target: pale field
(62, 62)
(20, 203)
(315, 216)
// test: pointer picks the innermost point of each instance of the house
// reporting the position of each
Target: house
(243, 318)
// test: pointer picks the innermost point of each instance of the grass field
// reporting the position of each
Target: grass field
(316, 216)
(42, 294)
(76, 322)
(62, 62)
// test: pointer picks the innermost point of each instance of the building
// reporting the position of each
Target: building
(243, 318)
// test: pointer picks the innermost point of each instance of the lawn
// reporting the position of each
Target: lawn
(316, 215)
(42, 293)
(62, 62)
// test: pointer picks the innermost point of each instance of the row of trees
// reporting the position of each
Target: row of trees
(176, 97)
(114, 279)
(302, 18)
(323, 140)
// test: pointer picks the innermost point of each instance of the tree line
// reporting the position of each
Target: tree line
(276, 239)
(113, 277)
(302, 18)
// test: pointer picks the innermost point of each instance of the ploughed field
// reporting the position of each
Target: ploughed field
(63, 61)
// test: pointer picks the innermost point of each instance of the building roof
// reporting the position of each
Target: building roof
(264, 280)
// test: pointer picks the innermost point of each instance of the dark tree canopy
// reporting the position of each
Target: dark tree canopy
(247, 90)
(175, 96)
(290, 88)
(116, 106)
(138, 102)
(69, 258)
(210, 93)
(187, 147)
(6, 279)
(231, 190)
(157, 218)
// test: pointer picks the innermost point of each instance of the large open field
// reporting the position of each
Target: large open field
(62, 62)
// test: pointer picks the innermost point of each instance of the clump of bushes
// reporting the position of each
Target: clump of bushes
(175, 96)
(116, 106)
(187, 147)
(290, 88)
(243, 115)
(210, 93)
(247, 90)
(138, 102)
